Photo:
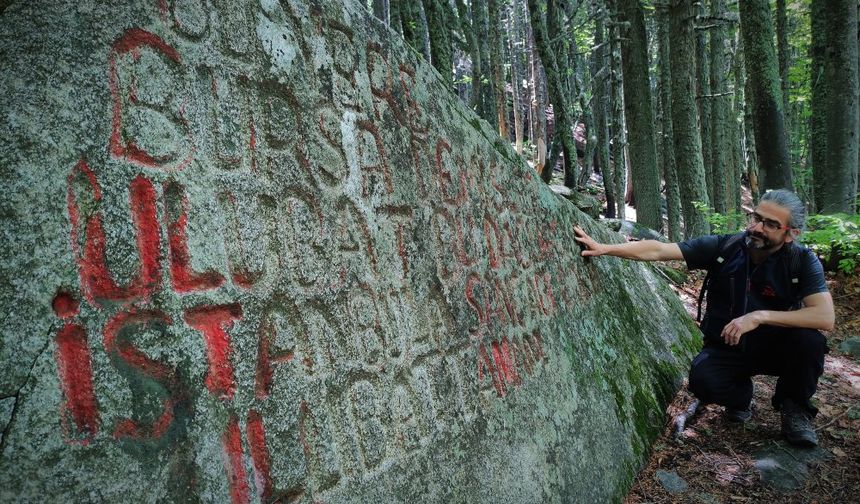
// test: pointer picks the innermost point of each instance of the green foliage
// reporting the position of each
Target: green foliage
(835, 237)
(731, 222)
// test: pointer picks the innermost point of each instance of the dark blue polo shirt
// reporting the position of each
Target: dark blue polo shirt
(743, 287)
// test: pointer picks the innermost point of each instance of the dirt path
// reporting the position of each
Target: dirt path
(715, 461)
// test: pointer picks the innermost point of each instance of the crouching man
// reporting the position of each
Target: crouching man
(766, 303)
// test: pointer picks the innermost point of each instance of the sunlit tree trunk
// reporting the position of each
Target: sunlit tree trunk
(639, 114)
(538, 108)
(562, 137)
(515, 40)
(600, 71)
(619, 130)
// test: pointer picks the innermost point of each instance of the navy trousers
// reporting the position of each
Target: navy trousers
(721, 373)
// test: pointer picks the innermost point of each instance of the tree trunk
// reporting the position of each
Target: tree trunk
(438, 25)
(382, 10)
(839, 190)
(688, 148)
(471, 33)
(737, 131)
(783, 57)
(590, 128)
(480, 24)
(497, 71)
(639, 115)
(600, 71)
(750, 143)
(703, 102)
(515, 39)
(555, 84)
(720, 103)
(414, 25)
(818, 105)
(673, 198)
(619, 131)
(764, 94)
(394, 12)
(538, 107)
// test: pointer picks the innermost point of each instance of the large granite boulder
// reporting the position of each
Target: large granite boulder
(257, 251)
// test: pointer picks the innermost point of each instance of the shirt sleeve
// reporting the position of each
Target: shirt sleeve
(699, 253)
(811, 275)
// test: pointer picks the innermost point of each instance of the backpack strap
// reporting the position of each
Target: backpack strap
(726, 251)
(792, 260)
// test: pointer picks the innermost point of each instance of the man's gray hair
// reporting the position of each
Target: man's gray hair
(790, 201)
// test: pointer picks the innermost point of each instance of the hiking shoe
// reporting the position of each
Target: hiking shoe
(797, 425)
(737, 415)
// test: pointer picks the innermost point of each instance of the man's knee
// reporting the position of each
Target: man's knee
(808, 345)
(701, 380)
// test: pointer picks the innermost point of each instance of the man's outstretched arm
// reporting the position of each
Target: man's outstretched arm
(646, 250)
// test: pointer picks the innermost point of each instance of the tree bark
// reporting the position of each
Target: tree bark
(538, 109)
(497, 72)
(737, 131)
(703, 101)
(687, 142)
(600, 71)
(555, 84)
(839, 190)
(673, 198)
(764, 94)
(441, 48)
(382, 10)
(480, 24)
(783, 57)
(619, 130)
(818, 105)
(720, 103)
(515, 39)
(470, 32)
(639, 114)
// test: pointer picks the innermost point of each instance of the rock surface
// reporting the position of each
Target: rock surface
(785, 467)
(257, 251)
(851, 346)
(671, 481)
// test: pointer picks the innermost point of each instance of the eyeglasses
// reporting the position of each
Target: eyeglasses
(768, 224)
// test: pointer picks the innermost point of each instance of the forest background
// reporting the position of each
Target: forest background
(674, 107)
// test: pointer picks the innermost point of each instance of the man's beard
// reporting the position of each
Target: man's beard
(760, 241)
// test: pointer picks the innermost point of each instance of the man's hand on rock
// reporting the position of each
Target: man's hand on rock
(592, 248)
(733, 331)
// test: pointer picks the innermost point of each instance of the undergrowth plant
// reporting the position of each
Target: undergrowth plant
(836, 238)
(730, 222)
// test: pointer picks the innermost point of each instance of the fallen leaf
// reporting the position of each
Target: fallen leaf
(838, 451)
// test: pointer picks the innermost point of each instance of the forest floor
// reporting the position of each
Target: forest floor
(717, 461)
